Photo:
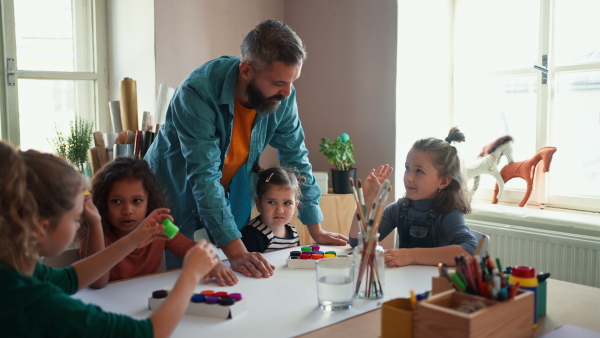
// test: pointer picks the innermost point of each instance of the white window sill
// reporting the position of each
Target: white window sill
(561, 220)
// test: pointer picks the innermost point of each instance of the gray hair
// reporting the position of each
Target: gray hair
(270, 41)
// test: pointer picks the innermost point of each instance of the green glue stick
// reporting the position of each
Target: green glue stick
(170, 229)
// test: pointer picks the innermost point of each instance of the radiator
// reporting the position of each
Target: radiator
(568, 257)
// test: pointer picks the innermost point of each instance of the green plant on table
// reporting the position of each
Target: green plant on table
(339, 152)
(74, 146)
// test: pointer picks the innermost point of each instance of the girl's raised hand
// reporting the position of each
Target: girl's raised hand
(200, 259)
(150, 227)
(373, 182)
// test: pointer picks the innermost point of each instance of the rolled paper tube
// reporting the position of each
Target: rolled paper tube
(115, 115)
(236, 296)
(331, 252)
(165, 94)
(147, 138)
(225, 301)
(158, 294)
(306, 248)
(128, 104)
(145, 121)
(317, 256)
(315, 247)
(198, 298)
(212, 299)
(221, 294)
(305, 255)
(328, 255)
(137, 144)
(170, 229)
(295, 253)
(207, 292)
(110, 139)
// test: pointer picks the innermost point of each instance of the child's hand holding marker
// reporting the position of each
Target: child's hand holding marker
(152, 225)
(170, 229)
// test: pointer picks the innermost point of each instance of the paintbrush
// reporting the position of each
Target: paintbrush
(368, 258)
(359, 209)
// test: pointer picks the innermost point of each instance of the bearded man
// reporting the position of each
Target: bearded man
(218, 123)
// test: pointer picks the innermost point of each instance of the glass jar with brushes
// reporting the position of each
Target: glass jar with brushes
(369, 268)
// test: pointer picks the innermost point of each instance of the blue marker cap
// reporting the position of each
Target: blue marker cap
(198, 298)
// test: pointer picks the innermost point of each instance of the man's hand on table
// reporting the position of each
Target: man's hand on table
(250, 264)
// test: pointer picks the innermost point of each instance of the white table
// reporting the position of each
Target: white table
(283, 305)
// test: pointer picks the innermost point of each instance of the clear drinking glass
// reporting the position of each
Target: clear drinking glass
(335, 283)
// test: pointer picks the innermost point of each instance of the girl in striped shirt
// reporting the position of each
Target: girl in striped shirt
(278, 194)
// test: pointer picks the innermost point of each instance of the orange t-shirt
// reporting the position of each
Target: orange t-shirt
(239, 148)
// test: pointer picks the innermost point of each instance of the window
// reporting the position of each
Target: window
(486, 51)
(497, 91)
(55, 63)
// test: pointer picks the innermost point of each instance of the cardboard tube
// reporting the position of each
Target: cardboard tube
(115, 115)
(129, 106)
(165, 93)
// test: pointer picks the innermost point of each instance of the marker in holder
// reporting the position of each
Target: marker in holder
(170, 229)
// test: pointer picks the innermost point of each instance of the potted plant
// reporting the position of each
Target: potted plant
(74, 146)
(339, 153)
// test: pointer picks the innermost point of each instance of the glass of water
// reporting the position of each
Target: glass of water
(335, 280)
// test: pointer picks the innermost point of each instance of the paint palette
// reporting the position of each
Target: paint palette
(207, 303)
(308, 255)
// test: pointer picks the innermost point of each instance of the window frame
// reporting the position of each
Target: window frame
(96, 12)
(541, 196)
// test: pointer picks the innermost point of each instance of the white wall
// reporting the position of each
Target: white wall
(131, 50)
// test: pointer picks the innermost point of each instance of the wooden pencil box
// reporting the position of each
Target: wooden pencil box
(437, 317)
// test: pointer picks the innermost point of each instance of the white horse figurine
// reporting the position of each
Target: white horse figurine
(487, 162)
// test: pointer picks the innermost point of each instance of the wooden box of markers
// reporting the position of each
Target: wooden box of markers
(437, 316)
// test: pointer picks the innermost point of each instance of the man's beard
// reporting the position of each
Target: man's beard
(263, 105)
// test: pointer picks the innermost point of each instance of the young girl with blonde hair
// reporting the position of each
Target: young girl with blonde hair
(430, 217)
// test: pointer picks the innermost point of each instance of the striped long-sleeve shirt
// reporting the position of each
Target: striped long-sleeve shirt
(257, 237)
